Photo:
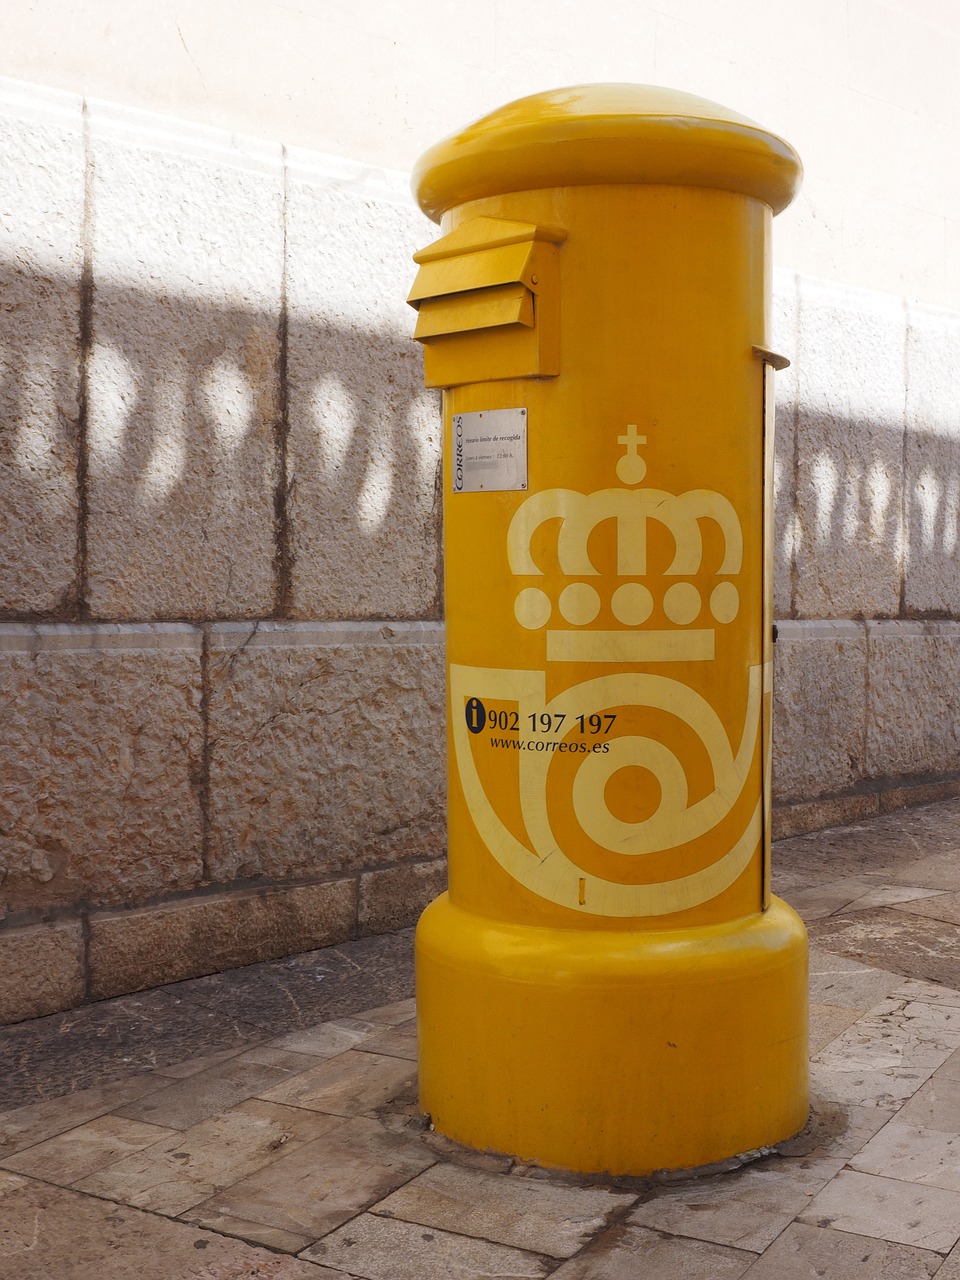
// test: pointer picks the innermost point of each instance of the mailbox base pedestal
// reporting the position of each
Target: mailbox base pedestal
(603, 1051)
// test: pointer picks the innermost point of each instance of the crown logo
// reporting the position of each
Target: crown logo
(635, 596)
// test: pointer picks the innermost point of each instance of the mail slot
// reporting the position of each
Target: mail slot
(609, 985)
(488, 303)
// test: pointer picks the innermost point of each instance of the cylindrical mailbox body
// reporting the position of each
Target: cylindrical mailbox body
(608, 985)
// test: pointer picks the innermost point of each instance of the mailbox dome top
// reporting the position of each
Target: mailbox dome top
(607, 133)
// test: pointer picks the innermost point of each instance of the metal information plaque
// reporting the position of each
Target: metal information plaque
(490, 451)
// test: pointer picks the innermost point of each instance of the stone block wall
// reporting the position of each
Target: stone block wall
(867, 570)
(221, 729)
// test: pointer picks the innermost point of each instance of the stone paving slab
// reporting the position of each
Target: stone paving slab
(747, 1209)
(537, 1216)
(629, 1253)
(352, 1084)
(180, 1070)
(184, 1169)
(951, 1268)
(835, 1130)
(380, 1249)
(392, 1015)
(936, 1105)
(84, 1151)
(827, 1021)
(24, 1127)
(398, 1042)
(845, 983)
(184, 1103)
(926, 1156)
(48, 1232)
(891, 895)
(884, 1057)
(850, 893)
(886, 938)
(940, 870)
(254, 1232)
(888, 1209)
(929, 992)
(938, 906)
(804, 1251)
(329, 1039)
(270, 1055)
(821, 900)
(327, 1182)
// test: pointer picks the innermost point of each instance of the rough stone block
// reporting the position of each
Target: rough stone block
(819, 718)
(132, 950)
(364, 443)
(392, 898)
(184, 372)
(817, 815)
(913, 710)
(327, 747)
(932, 568)
(41, 260)
(41, 970)
(894, 798)
(850, 428)
(784, 340)
(101, 746)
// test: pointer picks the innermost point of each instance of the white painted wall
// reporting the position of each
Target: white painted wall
(865, 89)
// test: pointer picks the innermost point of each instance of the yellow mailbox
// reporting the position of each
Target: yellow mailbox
(609, 984)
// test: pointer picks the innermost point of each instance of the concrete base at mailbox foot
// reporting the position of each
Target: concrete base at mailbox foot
(613, 1052)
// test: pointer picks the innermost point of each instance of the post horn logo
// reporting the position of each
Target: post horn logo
(544, 861)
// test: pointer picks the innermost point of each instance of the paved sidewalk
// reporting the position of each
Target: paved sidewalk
(263, 1124)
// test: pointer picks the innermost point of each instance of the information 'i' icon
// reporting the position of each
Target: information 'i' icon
(476, 715)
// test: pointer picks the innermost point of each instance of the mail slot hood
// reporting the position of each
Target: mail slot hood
(488, 302)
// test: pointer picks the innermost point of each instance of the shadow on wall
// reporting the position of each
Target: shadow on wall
(868, 456)
(169, 459)
(165, 458)
(867, 520)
